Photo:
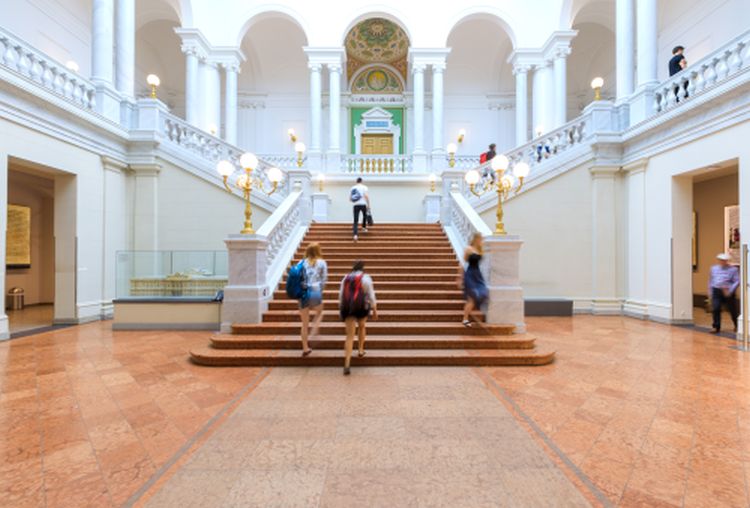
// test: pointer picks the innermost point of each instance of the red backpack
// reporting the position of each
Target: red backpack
(354, 298)
(483, 158)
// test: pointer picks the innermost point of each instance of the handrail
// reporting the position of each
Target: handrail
(707, 72)
(19, 57)
(463, 222)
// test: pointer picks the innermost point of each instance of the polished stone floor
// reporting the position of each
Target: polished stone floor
(632, 413)
(31, 317)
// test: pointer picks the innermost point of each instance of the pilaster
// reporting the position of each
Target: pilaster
(115, 223)
(146, 207)
(604, 256)
(635, 304)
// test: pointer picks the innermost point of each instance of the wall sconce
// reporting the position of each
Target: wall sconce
(451, 149)
(432, 179)
(597, 84)
(292, 135)
(461, 135)
(300, 148)
(72, 65)
(153, 81)
(247, 181)
(212, 129)
(539, 130)
(320, 178)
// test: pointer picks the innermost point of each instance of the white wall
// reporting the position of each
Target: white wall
(395, 201)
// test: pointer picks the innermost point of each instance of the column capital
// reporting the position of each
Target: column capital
(428, 56)
(418, 68)
(314, 66)
(334, 68)
(193, 42)
(521, 68)
(635, 167)
(330, 56)
(114, 165)
(146, 169)
(228, 58)
(562, 52)
(558, 44)
(438, 68)
(604, 171)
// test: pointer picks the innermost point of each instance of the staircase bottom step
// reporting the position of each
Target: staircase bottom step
(375, 358)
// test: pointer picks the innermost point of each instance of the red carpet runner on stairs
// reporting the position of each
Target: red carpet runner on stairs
(414, 269)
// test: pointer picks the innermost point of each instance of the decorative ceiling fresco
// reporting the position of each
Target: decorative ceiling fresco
(377, 40)
(377, 79)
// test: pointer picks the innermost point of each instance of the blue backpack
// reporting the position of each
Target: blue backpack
(355, 196)
(296, 281)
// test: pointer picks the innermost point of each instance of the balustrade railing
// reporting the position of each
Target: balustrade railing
(211, 149)
(282, 161)
(376, 164)
(720, 65)
(466, 162)
(283, 231)
(19, 57)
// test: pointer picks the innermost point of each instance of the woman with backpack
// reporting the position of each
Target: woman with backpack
(475, 289)
(356, 300)
(316, 274)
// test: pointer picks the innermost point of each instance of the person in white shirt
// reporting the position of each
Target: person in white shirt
(360, 198)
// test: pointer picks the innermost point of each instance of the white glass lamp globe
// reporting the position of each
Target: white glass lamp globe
(321, 177)
(521, 170)
(290, 132)
(472, 177)
(451, 148)
(225, 168)
(249, 161)
(274, 175)
(432, 178)
(462, 132)
(153, 80)
(300, 147)
(499, 162)
(597, 83)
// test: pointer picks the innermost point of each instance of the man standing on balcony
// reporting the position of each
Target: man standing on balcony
(722, 284)
(677, 62)
(360, 198)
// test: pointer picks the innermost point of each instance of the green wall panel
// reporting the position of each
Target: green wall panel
(355, 118)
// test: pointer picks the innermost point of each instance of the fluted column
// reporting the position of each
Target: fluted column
(561, 88)
(625, 43)
(647, 42)
(334, 108)
(230, 102)
(192, 113)
(522, 103)
(315, 107)
(418, 74)
(438, 70)
(125, 47)
(102, 41)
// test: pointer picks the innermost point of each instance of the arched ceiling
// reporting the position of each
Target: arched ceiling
(377, 40)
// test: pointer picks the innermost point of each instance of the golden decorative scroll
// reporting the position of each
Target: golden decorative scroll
(18, 237)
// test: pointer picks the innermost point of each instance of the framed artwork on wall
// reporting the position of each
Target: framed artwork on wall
(18, 237)
(732, 233)
(695, 242)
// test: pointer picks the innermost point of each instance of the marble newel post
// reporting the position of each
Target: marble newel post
(246, 294)
(504, 281)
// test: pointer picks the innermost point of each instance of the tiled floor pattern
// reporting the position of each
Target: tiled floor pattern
(653, 415)
(88, 415)
(381, 437)
(28, 318)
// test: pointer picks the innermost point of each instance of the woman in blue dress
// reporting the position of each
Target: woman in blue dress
(475, 289)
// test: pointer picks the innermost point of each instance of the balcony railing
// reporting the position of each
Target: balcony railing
(22, 59)
(720, 65)
(376, 164)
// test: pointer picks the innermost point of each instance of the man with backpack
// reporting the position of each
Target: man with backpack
(356, 300)
(360, 198)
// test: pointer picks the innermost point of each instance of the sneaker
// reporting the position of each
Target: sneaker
(347, 371)
(364, 230)
(355, 238)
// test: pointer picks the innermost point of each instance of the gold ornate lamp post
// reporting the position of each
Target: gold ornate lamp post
(451, 149)
(321, 178)
(596, 85)
(246, 181)
(153, 81)
(503, 184)
(432, 179)
(300, 148)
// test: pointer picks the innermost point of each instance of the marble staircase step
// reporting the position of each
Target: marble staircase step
(377, 328)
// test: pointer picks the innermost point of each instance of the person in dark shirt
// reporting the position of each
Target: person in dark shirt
(677, 62)
(491, 152)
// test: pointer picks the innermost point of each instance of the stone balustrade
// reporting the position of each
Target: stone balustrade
(22, 59)
(704, 74)
(377, 164)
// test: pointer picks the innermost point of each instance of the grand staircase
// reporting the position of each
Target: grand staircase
(414, 269)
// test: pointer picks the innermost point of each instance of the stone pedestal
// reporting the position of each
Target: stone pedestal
(246, 294)
(502, 274)
(108, 102)
(642, 104)
(320, 204)
(432, 203)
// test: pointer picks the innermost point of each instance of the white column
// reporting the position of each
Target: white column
(230, 103)
(125, 47)
(192, 113)
(437, 108)
(315, 107)
(539, 100)
(624, 34)
(418, 72)
(561, 89)
(103, 28)
(334, 108)
(647, 47)
(522, 103)
(211, 97)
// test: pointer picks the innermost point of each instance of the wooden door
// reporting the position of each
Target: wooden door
(377, 144)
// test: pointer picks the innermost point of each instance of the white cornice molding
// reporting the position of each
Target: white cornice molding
(325, 55)
(193, 41)
(428, 56)
(558, 44)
